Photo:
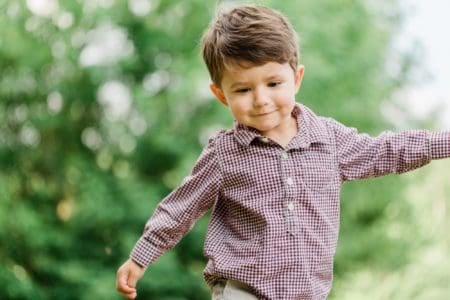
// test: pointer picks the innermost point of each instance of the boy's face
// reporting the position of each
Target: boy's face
(261, 97)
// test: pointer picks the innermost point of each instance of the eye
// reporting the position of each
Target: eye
(242, 90)
(274, 83)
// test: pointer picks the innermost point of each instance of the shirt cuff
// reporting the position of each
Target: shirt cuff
(440, 145)
(145, 253)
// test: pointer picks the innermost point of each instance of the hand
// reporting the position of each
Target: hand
(127, 277)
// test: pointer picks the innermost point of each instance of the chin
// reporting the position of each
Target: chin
(265, 128)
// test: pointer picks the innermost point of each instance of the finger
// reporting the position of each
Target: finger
(130, 295)
(125, 289)
(132, 280)
(122, 284)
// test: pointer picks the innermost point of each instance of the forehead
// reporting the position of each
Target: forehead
(245, 71)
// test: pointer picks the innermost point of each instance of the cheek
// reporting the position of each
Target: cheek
(286, 99)
(239, 105)
(238, 110)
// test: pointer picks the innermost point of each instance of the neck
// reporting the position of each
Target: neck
(285, 135)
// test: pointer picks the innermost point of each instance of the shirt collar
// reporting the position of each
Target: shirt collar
(310, 130)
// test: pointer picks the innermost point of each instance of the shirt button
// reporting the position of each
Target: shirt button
(290, 206)
(289, 181)
(284, 155)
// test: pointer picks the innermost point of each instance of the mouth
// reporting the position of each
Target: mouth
(262, 114)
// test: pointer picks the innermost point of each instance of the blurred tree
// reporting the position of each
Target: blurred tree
(104, 106)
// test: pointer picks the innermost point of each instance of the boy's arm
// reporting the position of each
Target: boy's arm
(176, 214)
(362, 156)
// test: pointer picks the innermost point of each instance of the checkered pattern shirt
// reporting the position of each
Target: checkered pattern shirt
(275, 211)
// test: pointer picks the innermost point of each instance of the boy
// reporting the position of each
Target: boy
(272, 181)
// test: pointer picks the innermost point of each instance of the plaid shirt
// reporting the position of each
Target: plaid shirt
(275, 211)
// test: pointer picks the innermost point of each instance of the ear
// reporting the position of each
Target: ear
(218, 93)
(299, 76)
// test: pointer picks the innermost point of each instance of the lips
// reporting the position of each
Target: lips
(262, 114)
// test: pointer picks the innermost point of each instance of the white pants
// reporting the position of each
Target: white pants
(231, 290)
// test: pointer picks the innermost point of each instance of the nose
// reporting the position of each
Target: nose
(260, 97)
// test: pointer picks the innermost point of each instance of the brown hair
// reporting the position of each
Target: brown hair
(248, 34)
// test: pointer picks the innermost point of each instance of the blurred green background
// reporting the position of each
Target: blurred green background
(104, 107)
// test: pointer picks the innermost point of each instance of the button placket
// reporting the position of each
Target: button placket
(290, 215)
(291, 218)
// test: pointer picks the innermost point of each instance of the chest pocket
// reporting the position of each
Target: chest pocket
(319, 169)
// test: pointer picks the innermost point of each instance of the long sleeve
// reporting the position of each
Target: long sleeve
(362, 156)
(176, 214)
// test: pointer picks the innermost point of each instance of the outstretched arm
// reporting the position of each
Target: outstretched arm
(362, 156)
(127, 277)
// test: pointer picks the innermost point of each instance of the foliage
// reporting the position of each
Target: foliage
(104, 107)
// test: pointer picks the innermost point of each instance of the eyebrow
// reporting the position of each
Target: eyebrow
(244, 83)
(238, 84)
